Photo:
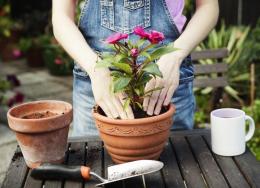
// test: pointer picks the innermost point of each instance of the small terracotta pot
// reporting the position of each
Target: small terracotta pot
(130, 140)
(41, 140)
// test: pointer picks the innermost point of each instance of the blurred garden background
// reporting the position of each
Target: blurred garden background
(33, 65)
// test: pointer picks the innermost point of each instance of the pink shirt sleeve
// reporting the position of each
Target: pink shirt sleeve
(175, 8)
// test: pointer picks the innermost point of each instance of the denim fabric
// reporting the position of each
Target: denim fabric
(101, 18)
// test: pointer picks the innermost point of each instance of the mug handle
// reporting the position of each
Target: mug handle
(251, 131)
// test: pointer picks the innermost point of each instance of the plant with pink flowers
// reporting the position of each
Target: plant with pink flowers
(9, 95)
(133, 63)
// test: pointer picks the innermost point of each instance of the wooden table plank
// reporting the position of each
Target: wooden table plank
(94, 161)
(250, 167)
(154, 180)
(189, 167)
(229, 168)
(76, 156)
(31, 182)
(171, 171)
(17, 171)
(57, 184)
(209, 167)
(53, 184)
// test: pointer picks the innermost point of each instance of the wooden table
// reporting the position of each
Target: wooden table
(188, 160)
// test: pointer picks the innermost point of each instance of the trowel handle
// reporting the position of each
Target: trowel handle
(59, 172)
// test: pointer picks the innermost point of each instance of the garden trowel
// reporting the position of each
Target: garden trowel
(115, 173)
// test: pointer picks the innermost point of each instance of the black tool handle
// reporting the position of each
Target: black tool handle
(59, 172)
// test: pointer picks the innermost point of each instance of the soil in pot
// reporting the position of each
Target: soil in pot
(39, 115)
(137, 113)
(135, 139)
(41, 129)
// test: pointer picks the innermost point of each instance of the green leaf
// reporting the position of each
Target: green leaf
(232, 92)
(124, 60)
(126, 103)
(120, 57)
(102, 64)
(123, 66)
(137, 91)
(144, 78)
(140, 43)
(147, 55)
(153, 69)
(156, 54)
(121, 83)
(241, 77)
(139, 105)
(117, 74)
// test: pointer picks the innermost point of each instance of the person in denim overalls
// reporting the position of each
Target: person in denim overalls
(101, 18)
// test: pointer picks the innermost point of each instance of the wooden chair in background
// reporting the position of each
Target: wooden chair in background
(211, 75)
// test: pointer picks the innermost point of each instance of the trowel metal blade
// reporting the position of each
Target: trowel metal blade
(131, 169)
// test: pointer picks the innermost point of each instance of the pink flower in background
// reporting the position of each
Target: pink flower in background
(58, 61)
(156, 37)
(115, 38)
(17, 53)
(141, 32)
(19, 97)
(134, 52)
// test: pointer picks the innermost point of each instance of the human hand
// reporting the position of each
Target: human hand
(111, 104)
(169, 65)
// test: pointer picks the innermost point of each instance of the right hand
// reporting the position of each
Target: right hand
(111, 104)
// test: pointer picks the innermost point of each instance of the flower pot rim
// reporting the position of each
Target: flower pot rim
(9, 113)
(159, 117)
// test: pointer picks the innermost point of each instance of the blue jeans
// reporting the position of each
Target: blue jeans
(83, 102)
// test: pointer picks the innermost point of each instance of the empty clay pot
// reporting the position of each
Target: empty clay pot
(136, 139)
(43, 139)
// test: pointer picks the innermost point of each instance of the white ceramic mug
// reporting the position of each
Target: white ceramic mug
(228, 137)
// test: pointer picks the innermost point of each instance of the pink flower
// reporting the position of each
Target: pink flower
(134, 52)
(141, 32)
(17, 53)
(156, 37)
(58, 61)
(115, 38)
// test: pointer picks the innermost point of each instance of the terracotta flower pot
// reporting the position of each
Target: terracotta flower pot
(42, 139)
(129, 140)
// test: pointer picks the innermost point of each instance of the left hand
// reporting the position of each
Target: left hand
(169, 65)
